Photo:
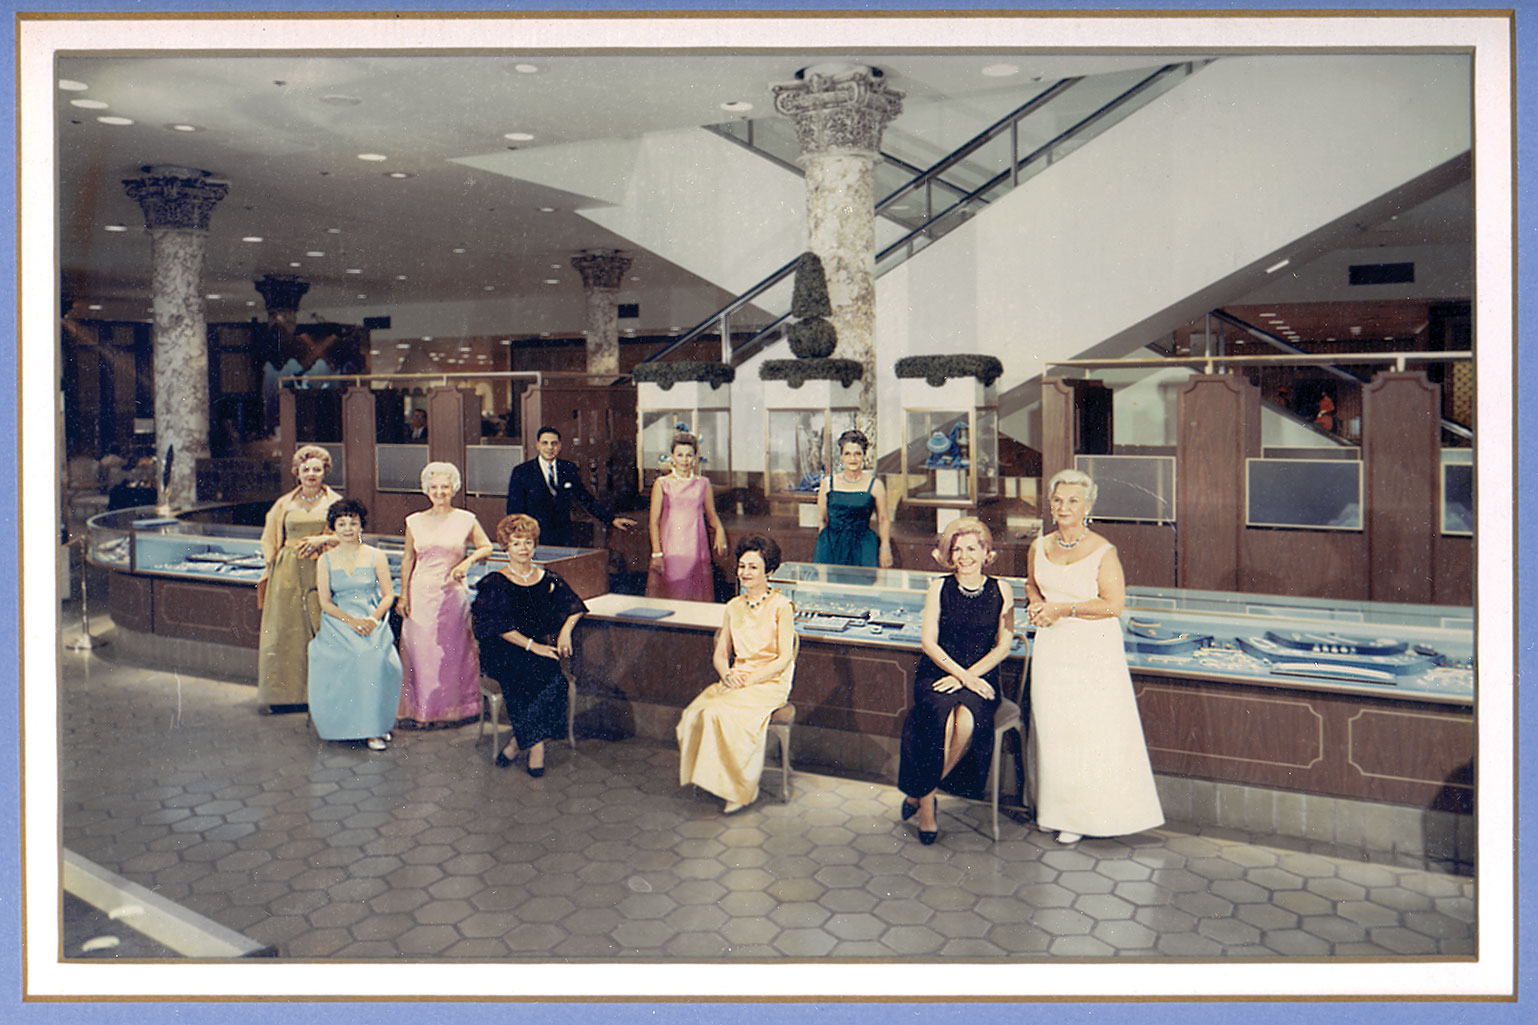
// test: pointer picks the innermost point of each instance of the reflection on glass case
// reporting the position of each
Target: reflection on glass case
(1315, 494)
(712, 427)
(1387, 649)
(800, 429)
(1458, 491)
(399, 467)
(950, 442)
(1137, 489)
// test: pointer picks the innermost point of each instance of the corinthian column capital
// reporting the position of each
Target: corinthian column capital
(601, 268)
(176, 197)
(838, 109)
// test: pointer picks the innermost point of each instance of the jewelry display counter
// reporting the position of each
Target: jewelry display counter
(183, 592)
(1362, 701)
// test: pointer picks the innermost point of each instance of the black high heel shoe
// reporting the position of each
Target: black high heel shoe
(929, 836)
(535, 772)
(909, 808)
(503, 761)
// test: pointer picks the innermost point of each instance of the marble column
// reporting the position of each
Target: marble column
(281, 294)
(839, 112)
(177, 203)
(602, 271)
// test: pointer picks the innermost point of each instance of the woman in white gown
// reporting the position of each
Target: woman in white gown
(1092, 771)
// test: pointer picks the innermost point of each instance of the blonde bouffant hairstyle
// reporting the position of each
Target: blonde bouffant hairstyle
(958, 527)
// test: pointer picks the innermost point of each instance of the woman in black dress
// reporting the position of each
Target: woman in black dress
(524, 616)
(969, 620)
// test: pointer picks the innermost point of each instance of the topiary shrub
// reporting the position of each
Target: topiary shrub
(796, 372)
(666, 374)
(813, 338)
(936, 370)
(810, 298)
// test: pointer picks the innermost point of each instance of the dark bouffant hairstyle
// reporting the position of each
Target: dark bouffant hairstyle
(346, 507)
(764, 546)
(855, 436)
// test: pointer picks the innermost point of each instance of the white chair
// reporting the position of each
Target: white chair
(1008, 717)
(780, 722)
(491, 708)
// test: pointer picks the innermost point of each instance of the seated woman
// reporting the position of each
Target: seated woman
(523, 618)
(355, 674)
(723, 732)
(968, 627)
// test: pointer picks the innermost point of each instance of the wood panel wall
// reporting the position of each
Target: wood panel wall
(1218, 427)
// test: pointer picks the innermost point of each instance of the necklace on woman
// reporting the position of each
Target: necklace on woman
(852, 480)
(530, 575)
(1070, 545)
(682, 476)
(754, 603)
(309, 499)
(971, 592)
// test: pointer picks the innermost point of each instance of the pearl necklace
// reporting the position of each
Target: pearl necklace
(1069, 545)
(309, 499)
(971, 592)
(530, 575)
(678, 476)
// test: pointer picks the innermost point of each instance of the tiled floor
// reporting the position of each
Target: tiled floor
(322, 849)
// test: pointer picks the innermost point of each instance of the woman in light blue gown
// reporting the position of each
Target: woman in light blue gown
(355, 673)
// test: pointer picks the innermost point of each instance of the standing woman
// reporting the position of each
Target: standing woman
(723, 732)
(968, 627)
(845, 501)
(524, 616)
(355, 674)
(441, 685)
(1092, 771)
(682, 504)
(293, 535)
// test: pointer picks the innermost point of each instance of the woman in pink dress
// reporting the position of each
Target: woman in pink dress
(441, 680)
(682, 503)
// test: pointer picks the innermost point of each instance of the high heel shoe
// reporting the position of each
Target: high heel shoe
(929, 836)
(909, 809)
(535, 771)
(503, 761)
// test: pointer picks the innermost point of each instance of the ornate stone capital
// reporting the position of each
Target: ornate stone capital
(175, 201)
(601, 268)
(281, 291)
(838, 110)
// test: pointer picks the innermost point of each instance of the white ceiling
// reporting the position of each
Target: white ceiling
(285, 133)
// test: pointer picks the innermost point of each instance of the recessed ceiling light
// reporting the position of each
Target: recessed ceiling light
(69, 85)
(400, 277)
(464, 348)
(403, 345)
(250, 302)
(184, 128)
(399, 174)
(355, 270)
(362, 295)
(552, 281)
(314, 252)
(295, 263)
(1001, 70)
(214, 295)
(373, 352)
(547, 209)
(674, 329)
(253, 238)
(1270, 313)
(89, 104)
(736, 106)
(544, 334)
(115, 227)
(1278, 265)
(488, 288)
(457, 249)
(526, 69)
(94, 306)
(555, 266)
(634, 278)
(507, 341)
(372, 157)
(518, 136)
(333, 231)
(340, 100)
(112, 120)
(427, 338)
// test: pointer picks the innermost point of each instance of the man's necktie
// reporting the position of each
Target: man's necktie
(551, 478)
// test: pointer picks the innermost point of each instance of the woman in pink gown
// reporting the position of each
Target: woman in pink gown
(682, 503)
(441, 679)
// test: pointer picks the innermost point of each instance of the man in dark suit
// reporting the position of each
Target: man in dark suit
(544, 488)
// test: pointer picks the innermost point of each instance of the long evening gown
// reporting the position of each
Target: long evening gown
(355, 681)
(685, 553)
(290, 613)
(969, 628)
(847, 540)
(723, 732)
(1092, 771)
(441, 685)
(533, 689)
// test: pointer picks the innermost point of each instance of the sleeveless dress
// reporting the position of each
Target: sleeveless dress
(290, 614)
(847, 540)
(685, 554)
(533, 689)
(969, 628)
(1092, 771)
(355, 682)
(441, 685)
(723, 733)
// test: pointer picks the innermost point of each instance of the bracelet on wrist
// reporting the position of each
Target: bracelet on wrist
(529, 645)
(656, 555)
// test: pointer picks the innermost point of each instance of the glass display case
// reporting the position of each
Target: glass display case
(691, 406)
(399, 467)
(1385, 649)
(1457, 491)
(801, 426)
(950, 442)
(488, 467)
(1308, 494)
(1134, 489)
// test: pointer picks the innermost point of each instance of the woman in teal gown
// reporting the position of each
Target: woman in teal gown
(355, 674)
(845, 501)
